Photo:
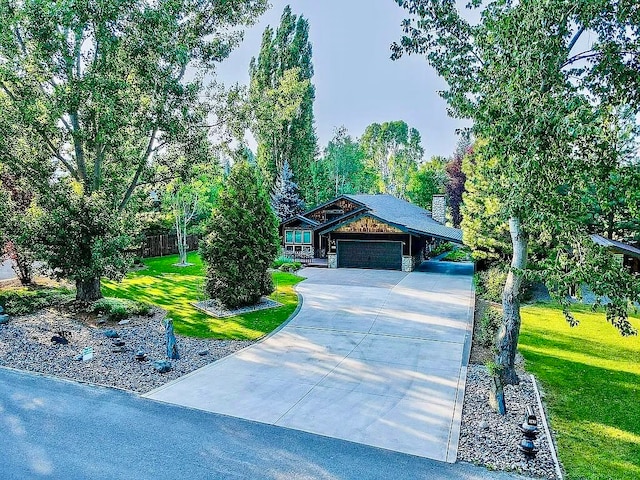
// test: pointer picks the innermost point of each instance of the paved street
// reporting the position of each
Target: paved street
(374, 357)
(6, 272)
(62, 430)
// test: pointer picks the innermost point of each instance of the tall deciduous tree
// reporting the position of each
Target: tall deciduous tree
(612, 200)
(283, 95)
(532, 98)
(342, 169)
(102, 85)
(242, 241)
(428, 180)
(393, 151)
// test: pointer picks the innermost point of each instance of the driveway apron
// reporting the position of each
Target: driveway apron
(374, 357)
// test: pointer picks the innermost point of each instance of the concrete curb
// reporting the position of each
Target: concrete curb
(543, 414)
(217, 362)
(456, 424)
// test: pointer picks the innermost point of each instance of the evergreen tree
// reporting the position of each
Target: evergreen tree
(282, 94)
(242, 241)
(285, 199)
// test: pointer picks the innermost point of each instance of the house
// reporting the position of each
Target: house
(367, 231)
(629, 256)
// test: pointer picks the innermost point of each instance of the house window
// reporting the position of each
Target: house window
(298, 237)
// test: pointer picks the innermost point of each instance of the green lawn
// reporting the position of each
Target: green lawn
(592, 379)
(175, 288)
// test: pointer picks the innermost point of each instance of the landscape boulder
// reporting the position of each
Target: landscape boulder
(162, 366)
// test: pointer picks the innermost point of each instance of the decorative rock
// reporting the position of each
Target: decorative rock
(59, 340)
(124, 322)
(483, 425)
(4, 319)
(101, 321)
(111, 334)
(78, 357)
(172, 346)
(162, 366)
(118, 349)
(203, 352)
(140, 355)
(118, 343)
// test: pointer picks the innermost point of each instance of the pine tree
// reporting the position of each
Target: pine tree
(242, 241)
(283, 95)
(285, 199)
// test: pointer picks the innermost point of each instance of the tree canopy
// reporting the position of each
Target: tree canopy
(534, 94)
(102, 86)
(282, 96)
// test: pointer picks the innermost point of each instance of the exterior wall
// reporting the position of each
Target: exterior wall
(332, 260)
(409, 263)
(333, 210)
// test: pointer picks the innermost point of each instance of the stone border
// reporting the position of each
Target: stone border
(543, 414)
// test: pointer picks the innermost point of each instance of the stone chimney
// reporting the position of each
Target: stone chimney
(439, 208)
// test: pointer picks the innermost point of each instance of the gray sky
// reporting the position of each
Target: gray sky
(356, 81)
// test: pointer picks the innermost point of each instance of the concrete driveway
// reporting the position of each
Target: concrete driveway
(374, 357)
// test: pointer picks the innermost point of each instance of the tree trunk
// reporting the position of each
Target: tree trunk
(507, 341)
(181, 237)
(22, 264)
(88, 289)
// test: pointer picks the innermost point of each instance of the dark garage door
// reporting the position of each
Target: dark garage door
(363, 254)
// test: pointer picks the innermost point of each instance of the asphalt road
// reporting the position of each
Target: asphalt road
(6, 272)
(57, 429)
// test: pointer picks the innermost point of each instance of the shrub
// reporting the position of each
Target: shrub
(490, 283)
(281, 260)
(441, 248)
(458, 255)
(489, 325)
(119, 308)
(290, 267)
(23, 301)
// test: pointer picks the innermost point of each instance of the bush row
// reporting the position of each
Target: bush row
(24, 301)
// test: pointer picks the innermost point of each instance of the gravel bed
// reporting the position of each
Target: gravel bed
(25, 343)
(212, 307)
(490, 439)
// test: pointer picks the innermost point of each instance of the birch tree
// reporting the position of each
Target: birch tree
(532, 82)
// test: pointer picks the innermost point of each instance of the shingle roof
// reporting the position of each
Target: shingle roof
(616, 246)
(412, 217)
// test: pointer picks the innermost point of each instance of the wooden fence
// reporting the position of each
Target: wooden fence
(161, 245)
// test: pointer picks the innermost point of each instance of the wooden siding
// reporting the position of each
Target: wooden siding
(367, 225)
(335, 209)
